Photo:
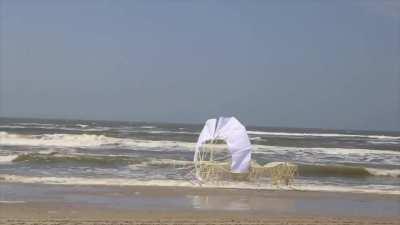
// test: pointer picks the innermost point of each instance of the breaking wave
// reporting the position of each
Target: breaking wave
(92, 140)
(81, 125)
(162, 163)
(382, 172)
(90, 159)
(328, 155)
(95, 159)
(380, 142)
(277, 153)
(75, 159)
(148, 127)
(137, 162)
(84, 140)
(334, 135)
(345, 171)
(7, 158)
(337, 151)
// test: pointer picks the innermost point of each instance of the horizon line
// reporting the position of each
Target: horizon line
(198, 124)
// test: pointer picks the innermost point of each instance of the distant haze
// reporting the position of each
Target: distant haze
(325, 64)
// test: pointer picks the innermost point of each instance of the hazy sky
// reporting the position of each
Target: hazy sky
(329, 64)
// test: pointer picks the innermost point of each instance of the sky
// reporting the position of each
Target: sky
(313, 64)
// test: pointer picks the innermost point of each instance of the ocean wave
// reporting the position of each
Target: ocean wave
(345, 171)
(300, 186)
(81, 125)
(323, 135)
(85, 159)
(140, 162)
(382, 172)
(11, 202)
(147, 127)
(12, 126)
(327, 155)
(85, 140)
(337, 151)
(63, 140)
(277, 153)
(162, 163)
(54, 157)
(168, 162)
(7, 158)
(92, 140)
(36, 124)
(77, 127)
(166, 132)
(384, 142)
(255, 138)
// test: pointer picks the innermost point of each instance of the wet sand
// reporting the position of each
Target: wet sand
(69, 214)
(57, 204)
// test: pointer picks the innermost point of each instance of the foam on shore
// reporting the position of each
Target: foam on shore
(7, 158)
(371, 189)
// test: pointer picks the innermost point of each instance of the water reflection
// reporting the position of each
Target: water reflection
(233, 202)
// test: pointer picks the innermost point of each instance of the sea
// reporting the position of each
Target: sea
(80, 152)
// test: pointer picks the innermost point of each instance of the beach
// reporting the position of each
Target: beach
(66, 204)
(199, 112)
(96, 216)
(102, 172)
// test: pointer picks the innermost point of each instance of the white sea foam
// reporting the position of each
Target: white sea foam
(161, 162)
(150, 130)
(11, 202)
(7, 158)
(297, 154)
(88, 140)
(384, 142)
(383, 172)
(85, 140)
(338, 151)
(330, 155)
(11, 126)
(136, 166)
(64, 140)
(322, 135)
(81, 125)
(49, 151)
(147, 127)
(255, 138)
(36, 124)
(45, 126)
(372, 189)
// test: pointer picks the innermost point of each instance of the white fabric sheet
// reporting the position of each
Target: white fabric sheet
(234, 134)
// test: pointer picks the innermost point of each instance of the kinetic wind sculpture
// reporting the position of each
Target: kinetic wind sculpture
(234, 134)
(213, 163)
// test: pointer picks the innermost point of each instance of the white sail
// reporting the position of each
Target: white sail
(234, 134)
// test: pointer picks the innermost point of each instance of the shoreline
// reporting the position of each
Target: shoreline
(138, 198)
(127, 182)
(207, 189)
(28, 204)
